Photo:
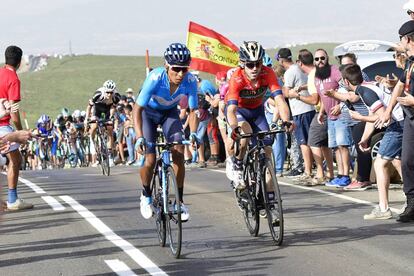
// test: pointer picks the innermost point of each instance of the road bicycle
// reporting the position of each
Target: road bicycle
(100, 142)
(262, 189)
(166, 201)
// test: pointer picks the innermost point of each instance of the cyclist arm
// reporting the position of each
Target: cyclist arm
(193, 106)
(137, 119)
(88, 110)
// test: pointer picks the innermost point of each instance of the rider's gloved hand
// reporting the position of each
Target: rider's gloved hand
(236, 133)
(274, 126)
(140, 145)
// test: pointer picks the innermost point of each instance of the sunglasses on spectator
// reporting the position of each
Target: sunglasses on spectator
(322, 58)
(409, 12)
(178, 69)
(251, 65)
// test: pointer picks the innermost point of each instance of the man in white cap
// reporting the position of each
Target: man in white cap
(409, 7)
(130, 96)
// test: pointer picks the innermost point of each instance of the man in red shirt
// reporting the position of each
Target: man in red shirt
(245, 101)
(10, 90)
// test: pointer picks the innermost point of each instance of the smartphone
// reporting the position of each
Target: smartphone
(349, 105)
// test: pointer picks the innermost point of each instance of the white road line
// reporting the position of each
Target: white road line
(32, 186)
(56, 206)
(120, 267)
(127, 247)
(356, 200)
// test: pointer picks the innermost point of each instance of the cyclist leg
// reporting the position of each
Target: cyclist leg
(244, 116)
(173, 132)
(260, 124)
(150, 121)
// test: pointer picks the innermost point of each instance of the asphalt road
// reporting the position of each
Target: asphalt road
(95, 228)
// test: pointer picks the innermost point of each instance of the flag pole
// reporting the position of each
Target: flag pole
(25, 120)
(147, 68)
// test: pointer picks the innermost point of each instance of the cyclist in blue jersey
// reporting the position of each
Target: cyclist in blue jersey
(157, 105)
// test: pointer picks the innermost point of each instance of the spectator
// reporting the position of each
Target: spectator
(318, 133)
(364, 161)
(10, 90)
(130, 96)
(303, 113)
(272, 114)
(406, 85)
(129, 134)
(409, 7)
(327, 78)
(213, 98)
(223, 86)
(377, 98)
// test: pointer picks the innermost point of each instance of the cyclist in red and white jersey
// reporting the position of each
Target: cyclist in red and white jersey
(245, 102)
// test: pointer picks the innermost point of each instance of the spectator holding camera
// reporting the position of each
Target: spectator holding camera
(377, 99)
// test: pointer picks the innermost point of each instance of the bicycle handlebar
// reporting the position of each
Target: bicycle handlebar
(260, 135)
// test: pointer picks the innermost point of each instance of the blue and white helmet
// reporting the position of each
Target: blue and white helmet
(177, 54)
(267, 61)
(44, 119)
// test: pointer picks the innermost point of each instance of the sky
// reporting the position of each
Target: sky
(128, 27)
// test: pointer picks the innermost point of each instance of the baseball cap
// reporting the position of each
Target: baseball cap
(284, 53)
(409, 5)
(406, 28)
(129, 90)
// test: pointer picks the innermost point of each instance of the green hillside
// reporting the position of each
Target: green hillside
(71, 81)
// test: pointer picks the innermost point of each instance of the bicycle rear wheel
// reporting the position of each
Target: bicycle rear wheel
(174, 224)
(247, 201)
(160, 218)
(273, 205)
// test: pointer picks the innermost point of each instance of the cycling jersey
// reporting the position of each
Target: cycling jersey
(44, 129)
(156, 94)
(103, 105)
(244, 94)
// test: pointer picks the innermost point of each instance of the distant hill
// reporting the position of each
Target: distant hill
(70, 81)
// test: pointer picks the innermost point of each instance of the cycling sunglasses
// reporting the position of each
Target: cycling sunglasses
(179, 69)
(409, 12)
(251, 65)
(322, 58)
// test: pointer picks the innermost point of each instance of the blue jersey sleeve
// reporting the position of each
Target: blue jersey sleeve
(148, 88)
(192, 93)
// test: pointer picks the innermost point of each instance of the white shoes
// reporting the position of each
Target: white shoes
(185, 214)
(146, 206)
(19, 204)
(238, 180)
(229, 168)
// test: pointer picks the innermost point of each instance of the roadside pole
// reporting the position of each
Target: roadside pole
(25, 120)
(147, 68)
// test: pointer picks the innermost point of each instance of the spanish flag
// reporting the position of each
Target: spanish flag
(210, 51)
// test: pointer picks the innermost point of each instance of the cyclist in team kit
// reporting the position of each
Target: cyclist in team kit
(245, 103)
(157, 105)
(102, 106)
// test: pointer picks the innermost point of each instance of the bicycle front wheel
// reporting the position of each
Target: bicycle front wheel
(247, 201)
(174, 224)
(160, 218)
(104, 155)
(272, 202)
